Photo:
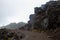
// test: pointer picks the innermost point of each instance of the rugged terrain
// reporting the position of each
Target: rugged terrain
(15, 34)
(43, 25)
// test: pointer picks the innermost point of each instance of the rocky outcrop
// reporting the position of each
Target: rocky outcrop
(47, 16)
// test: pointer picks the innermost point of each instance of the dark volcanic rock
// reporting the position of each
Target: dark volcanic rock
(47, 16)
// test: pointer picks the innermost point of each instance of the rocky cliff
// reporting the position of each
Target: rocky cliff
(47, 16)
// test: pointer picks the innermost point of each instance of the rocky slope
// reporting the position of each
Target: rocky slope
(46, 17)
(43, 25)
(22, 35)
(15, 34)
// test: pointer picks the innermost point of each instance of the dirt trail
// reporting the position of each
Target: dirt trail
(32, 35)
(29, 35)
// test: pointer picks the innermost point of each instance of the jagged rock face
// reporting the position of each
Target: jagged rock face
(54, 14)
(46, 16)
(32, 16)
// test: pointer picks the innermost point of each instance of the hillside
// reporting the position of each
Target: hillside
(14, 25)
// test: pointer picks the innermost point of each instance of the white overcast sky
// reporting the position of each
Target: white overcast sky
(17, 10)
